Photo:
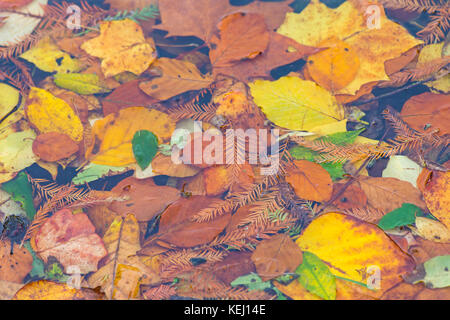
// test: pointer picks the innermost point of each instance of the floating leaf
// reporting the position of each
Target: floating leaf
(49, 58)
(296, 104)
(400, 217)
(114, 134)
(21, 191)
(54, 146)
(94, 172)
(177, 77)
(122, 46)
(316, 277)
(81, 83)
(51, 114)
(71, 239)
(145, 147)
(352, 248)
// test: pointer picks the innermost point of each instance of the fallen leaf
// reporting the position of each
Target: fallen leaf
(114, 134)
(352, 198)
(122, 46)
(145, 147)
(402, 168)
(51, 114)
(8, 289)
(310, 181)
(406, 291)
(400, 217)
(242, 36)
(16, 154)
(123, 271)
(13, 4)
(350, 247)
(296, 104)
(163, 165)
(177, 77)
(81, 83)
(49, 58)
(48, 290)
(317, 23)
(388, 194)
(432, 230)
(423, 250)
(434, 273)
(316, 277)
(437, 196)
(427, 109)
(141, 193)
(71, 239)
(276, 256)
(54, 146)
(177, 228)
(14, 267)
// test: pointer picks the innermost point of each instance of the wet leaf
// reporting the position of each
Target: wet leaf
(177, 77)
(296, 104)
(71, 239)
(141, 193)
(122, 47)
(114, 134)
(49, 58)
(21, 191)
(400, 217)
(275, 256)
(145, 147)
(14, 267)
(402, 168)
(94, 172)
(316, 277)
(51, 114)
(48, 290)
(350, 247)
(432, 230)
(437, 196)
(54, 146)
(82, 83)
(310, 181)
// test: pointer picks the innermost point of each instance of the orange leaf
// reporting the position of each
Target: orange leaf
(310, 181)
(54, 146)
(242, 36)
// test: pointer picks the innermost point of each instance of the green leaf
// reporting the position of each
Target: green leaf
(336, 170)
(145, 147)
(21, 191)
(38, 267)
(437, 272)
(253, 282)
(94, 172)
(81, 83)
(316, 277)
(403, 216)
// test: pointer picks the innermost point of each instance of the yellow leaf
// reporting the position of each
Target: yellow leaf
(317, 23)
(432, 230)
(354, 249)
(48, 57)
(296, 104)
(121, 275)
(113, 134)
(48, 290)
(51, 114)
(437, 196)
(122, 46)
(177, 77)
(428, 54)
(16, 153)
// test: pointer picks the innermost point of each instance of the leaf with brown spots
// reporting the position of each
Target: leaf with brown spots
(14, 267)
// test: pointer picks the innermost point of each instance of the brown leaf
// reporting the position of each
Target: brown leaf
(71, 239)
(14, 267)
(310, 181)
(276, 256)
(146, 200)
(54, 146)
(163, 165)
(428, 109)
(406, 291)
(234, 265)
(177, 228)
(127, 95)
(387, 194)
(353, 197)
(177, 77)
(437, 196)
(199, 18)
(423, 250)
(242, 36)
(281, 51)
(13, 4)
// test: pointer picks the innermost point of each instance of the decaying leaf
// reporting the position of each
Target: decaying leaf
(275, 256)
(14, 267)
(71, 239)
(54, 146)
(437, 196)
(122, 46)
(48, 290)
